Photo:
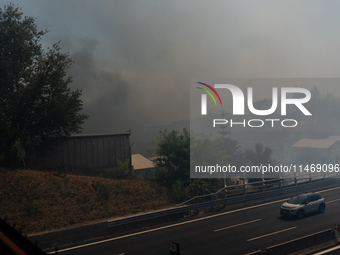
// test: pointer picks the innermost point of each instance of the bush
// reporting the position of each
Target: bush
(177, 191)
(104, 190)
(124, 169)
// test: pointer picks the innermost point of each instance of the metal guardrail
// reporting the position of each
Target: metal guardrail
(264, 185)
(233, 196)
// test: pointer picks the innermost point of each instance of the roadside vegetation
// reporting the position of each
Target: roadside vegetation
(39, 200)
(37, 103)
(173, 150)
(45, 200)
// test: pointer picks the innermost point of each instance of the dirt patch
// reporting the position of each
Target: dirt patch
(37, 201)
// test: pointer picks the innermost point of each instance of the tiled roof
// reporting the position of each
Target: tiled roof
(140, 162)
(317, 143)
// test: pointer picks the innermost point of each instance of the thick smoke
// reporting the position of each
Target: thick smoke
(134, 59)
(105, 93)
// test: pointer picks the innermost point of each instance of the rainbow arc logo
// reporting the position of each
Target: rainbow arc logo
(204, 97)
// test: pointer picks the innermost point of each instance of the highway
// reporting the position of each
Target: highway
(240, 231)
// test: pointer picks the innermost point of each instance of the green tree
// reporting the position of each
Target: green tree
(36, 103)
(173, 153)
(205, 151)
(231, 148)
(260, 155)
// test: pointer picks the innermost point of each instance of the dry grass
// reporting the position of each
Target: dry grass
(36, 201)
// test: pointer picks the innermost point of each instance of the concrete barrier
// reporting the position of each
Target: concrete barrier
(301, 243)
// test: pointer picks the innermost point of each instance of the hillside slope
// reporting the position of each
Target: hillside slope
(37, 200)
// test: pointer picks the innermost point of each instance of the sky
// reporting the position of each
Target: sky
(134, 59)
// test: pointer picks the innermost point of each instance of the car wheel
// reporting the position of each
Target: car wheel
(321, 208)
(300, 214)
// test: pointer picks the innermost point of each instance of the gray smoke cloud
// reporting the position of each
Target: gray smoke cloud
(134, 59)
(106, 94)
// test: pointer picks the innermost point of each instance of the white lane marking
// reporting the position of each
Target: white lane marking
(328, 202)
(244, 223)
(254, 252)
(326, 251)
(274, 233)
(182, 223)
(121, 254)
(169, 226)
(321, 191)
(276, 245)
(271, 247)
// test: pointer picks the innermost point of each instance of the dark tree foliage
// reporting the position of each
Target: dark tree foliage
(173, 153)
(36, 103)
(231, 148)
(260, 155)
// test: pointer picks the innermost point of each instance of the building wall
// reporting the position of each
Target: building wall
(145, 173)
(86, 153)
(150, 173)
(315, 155)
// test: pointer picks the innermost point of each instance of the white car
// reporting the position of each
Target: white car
(303, 204)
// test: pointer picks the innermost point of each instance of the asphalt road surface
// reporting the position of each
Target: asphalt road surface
(241, 231)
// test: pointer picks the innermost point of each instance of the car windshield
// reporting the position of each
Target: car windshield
(296, 200)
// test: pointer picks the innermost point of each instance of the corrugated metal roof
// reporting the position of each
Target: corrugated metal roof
(140, 162)
(96, 135)
(317, 143)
